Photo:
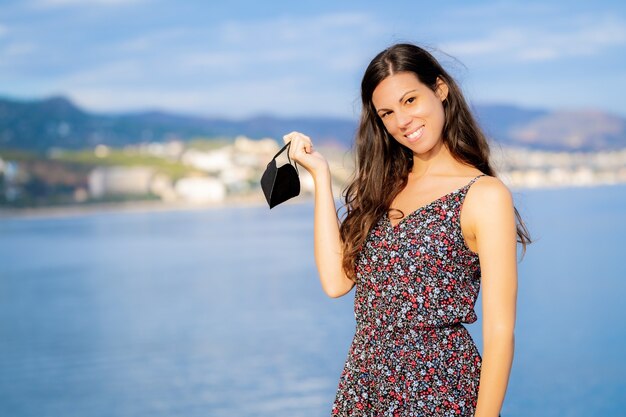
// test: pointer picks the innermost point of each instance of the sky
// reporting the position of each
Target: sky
(241, 58)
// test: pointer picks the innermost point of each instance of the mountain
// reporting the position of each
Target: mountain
(587, 130)
(572, 130)
(39, 125)
(497, 120)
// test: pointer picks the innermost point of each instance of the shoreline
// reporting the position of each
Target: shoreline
(252, 200)
(124, 207)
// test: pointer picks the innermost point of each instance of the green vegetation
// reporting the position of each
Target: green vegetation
(61, 177)
(117, 157)
(208, 144)
(19, 155)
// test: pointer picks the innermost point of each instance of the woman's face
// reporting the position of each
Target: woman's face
(412, 113)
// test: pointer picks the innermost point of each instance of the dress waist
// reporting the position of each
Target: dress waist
(408, 328)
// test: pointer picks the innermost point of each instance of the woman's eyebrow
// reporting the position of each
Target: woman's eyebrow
(405, 94)
(399, 101)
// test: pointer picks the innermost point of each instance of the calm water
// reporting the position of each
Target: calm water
(220, 313)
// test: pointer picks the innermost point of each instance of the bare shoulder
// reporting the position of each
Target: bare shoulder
(486, 198)
(488, 189)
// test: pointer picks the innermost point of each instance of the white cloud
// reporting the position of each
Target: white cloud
(115, 72)
(282, 95)
(125, 99)
(128, 85)
(295, 29)
(149, 41)
(205, 61)
(200, 61)
(181, 65)
(330, 42)
(339, 39)
(323, 47)
(83, 3)
(11, 51)
(583, 37)
(502, 9)
(18, 48)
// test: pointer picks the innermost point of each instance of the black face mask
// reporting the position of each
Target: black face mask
(282, 183)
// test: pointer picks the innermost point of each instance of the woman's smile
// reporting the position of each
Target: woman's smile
(415, 134)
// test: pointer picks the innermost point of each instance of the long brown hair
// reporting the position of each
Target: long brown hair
(382, 164)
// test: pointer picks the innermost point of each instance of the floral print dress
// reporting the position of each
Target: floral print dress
(417, 281)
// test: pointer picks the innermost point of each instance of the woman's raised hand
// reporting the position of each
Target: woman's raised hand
(327, 241)
(301, 151)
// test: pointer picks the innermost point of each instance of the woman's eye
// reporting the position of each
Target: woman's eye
(410, 100)
(385, 114)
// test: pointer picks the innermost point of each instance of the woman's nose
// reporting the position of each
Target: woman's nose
(403, 119)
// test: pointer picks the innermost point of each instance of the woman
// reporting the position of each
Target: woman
(416, 259)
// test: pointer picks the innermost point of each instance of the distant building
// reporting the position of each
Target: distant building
(208, 161)
(262, 146)
(107, 181)
(200, 190)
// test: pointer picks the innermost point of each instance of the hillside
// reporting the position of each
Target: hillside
(39, 125)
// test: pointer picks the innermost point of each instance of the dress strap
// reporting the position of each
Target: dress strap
(474, 179)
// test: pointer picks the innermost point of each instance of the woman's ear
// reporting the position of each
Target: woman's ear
(441, 89)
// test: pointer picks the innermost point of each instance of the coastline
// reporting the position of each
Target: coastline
(124, 207)
(250, 200)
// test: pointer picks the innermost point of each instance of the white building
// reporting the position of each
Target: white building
(120, 181)
(200, 190)
(212, 162)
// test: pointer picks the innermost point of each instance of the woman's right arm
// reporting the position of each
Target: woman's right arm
(327, 241)
(328, 251)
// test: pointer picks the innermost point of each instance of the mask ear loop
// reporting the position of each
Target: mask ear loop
(288, 158)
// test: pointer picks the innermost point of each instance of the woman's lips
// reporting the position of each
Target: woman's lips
(415, 135)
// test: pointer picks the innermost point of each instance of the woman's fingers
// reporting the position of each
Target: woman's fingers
(300, 144)
(302, 152)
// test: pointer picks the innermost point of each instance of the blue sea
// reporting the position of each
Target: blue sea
(219, 312)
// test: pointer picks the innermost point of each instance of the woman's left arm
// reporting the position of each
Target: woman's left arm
(494, 228)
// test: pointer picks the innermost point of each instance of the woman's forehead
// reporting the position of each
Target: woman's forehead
(394, 86)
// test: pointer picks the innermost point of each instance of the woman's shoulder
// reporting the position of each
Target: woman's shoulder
(488, 186)
(488, 194)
